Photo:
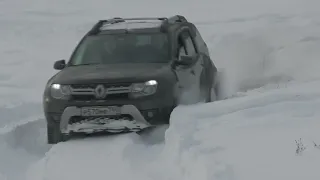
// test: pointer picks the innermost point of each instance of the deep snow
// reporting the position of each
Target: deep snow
(250, 137)
(268, 49)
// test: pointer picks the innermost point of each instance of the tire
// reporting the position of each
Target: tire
(54, 135)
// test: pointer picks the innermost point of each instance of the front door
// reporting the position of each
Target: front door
(188, 75)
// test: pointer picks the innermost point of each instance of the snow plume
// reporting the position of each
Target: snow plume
(241, 60)
(273, 54)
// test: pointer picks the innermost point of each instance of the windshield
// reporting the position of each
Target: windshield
(122, 48)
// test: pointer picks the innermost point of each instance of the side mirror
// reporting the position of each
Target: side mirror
(59, 65)
(186, 60)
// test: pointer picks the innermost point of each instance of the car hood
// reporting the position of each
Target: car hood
(115, 73)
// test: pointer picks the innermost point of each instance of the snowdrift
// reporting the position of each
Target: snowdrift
(21, 144)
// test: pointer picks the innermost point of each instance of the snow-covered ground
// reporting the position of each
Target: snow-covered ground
(269, 50)
(251, 137)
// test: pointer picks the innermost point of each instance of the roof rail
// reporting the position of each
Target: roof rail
(172, 20)
(141, 18)
(96, 28)
(177, 18)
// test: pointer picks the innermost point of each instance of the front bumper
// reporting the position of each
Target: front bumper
(136, 123)
(144, 112)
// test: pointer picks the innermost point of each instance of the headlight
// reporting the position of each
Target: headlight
(144, 89)
(59, 91)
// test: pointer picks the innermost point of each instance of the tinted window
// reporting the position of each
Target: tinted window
(181, 47)
(122, 48)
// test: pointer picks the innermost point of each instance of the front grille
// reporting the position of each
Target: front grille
(94, 85)
(122, 96)
(83, 86)
(87, 92)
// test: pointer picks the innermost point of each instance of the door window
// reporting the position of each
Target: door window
(191, 50)
(181, 48)
(186, 45)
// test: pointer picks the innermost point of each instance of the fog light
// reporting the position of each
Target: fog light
(150, 114)
(56, 117)
(46, 100)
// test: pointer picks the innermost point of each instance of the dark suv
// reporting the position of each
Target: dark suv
(128, 75)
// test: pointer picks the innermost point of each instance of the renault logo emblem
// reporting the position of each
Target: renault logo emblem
(100, 92)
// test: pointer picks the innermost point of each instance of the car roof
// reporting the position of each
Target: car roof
(137, 24)
(131, 25)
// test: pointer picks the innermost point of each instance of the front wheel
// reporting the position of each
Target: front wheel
(54, 135)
